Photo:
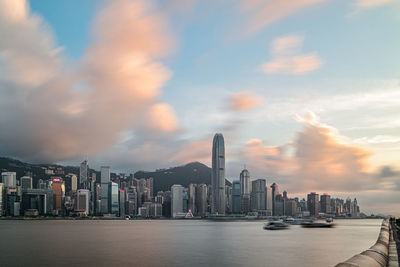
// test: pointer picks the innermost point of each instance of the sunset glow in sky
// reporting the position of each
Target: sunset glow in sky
(305, 92)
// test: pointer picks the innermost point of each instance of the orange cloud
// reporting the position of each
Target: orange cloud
(319, 159)
(244, 100)
(260, 13)
(286, 59)
(61, 112)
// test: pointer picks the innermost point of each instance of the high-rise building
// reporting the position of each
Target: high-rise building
(40, 200)
(236, 196)
(84, 174)
(268, 199)
(258, 195)
(313, 203)
(218, 175)
(201, 199)
(82, 201)
(325, 203)
(131, 201)
(245, 187)
(228, 198)
(26, 182)
(274, 193)
(9, 179)
(71, 183)
(291, 207)
(113, 198)
(166, 206)
(121, 203)
(58, 188)
(279, 205)
(150, 186)
(176, 200)
(105, 181)
(192, 198)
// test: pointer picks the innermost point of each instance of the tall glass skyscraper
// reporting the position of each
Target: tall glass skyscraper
(218, 175)
(83, 174)
(105, 180)
(245, 188)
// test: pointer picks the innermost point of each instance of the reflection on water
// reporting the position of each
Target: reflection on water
(179, 243)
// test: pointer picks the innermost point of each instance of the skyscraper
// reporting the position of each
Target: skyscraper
(9, 179)
(236, 195)
(245, 187)
(176, 200)
(274, 193)
(58, 194)
(218, 175)
(83, 174)
(326, 203)
(113, 198)
(201, 199)
(258, 195)
(313, 203)
(1, 198)
(26, 182)
(82, 201)
(105, 180)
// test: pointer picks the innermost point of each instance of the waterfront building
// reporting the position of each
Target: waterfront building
(313, 203)
(185, 199)
(150, 186)
(268, 199)
(40, 200)
(258, 195)
(131, 201)
(113, 198)
(9, 179)
(84, 175)
(105, 181)
(291, 207)
(71, 183)
(279, 205)
(26, 182)
(121, 203)
(236, 196)
(58, 188)
(245, 187)
(218, 175)
(228, 198)
(325, 203)
(11, 196)
(82, 201)
(201, 199)
(155, 210)
(166, 206)
(176, 200)
(274, 193)
(192, 198)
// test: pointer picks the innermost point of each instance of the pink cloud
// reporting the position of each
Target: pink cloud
(287, 60)
(260, 13)
(56, 112)
(374, 3)
(244, 100)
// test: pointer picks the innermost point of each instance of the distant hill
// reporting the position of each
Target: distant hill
(192, 173)
(195, 172)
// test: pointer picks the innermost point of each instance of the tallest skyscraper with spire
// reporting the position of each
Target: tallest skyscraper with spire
(218, 175)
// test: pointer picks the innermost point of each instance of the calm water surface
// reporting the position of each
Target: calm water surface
(179, 243)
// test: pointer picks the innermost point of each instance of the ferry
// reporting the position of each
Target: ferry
(275, 225)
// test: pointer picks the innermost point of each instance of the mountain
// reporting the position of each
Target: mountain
(195, 172)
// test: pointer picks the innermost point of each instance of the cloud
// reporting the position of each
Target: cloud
(319, 159)
(244, 100)
(286, 59)
(260, 13)
(374, 3)
(55, 110)
(378, 139)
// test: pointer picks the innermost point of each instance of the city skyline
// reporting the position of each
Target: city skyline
(299, 96)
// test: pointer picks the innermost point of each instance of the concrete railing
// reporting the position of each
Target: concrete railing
(375, 256)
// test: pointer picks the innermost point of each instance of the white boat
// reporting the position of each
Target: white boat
(275, 225)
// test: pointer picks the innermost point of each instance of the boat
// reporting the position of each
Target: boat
(329, 220)
(275, 225)
(289, 220)
(317, 225)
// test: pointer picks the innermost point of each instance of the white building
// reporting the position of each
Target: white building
(26, 182)
(176, 200)
(9, 179)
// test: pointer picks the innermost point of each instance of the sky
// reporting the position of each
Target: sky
(305, 92)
